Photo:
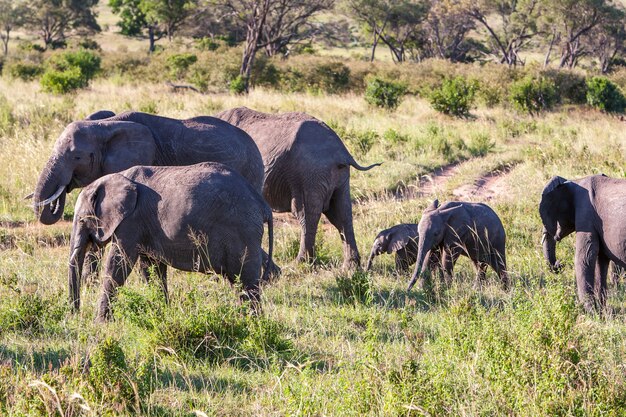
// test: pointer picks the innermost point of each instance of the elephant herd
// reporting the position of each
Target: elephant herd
(195, 195)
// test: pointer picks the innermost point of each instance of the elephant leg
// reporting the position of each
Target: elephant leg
(118, 265)
(249, 278)
(481, 273)
(402, 260)
(339, 213)
(587, 249)
(275, 270)
(600, 284)
(448, 259)
(309, 218)
(497, 260)
(91, 265)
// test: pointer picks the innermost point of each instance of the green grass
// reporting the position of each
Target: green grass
(327, 343)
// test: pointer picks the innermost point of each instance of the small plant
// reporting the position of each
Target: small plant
(356, 288)
(394, 137)
(480, 145)
(384, 94)
(605, 96)
(362, 141)
(455, 97)
(62, 82)
(237, 85)
(533, 95)
(178, 64)
(25, 71)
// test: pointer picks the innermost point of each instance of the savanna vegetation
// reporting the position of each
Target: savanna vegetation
(478, 122)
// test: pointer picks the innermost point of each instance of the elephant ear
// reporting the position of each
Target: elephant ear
(125, 144)
(433, 206)
(100, 114)
(115, 199)
(553, 184)
(399, 241)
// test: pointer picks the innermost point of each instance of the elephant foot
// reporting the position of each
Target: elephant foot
(274, 272)
(351, 264)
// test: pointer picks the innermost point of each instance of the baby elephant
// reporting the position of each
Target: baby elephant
(203, 217)
(401, 239)
(458, 228)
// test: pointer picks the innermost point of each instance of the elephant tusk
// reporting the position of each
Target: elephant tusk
(411, 284)
(543, 238)
(52, 198)
(73, 256)
(29, 196)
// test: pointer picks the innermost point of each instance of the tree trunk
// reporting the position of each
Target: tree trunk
(151, 39)
(254, 27)
(374, 45)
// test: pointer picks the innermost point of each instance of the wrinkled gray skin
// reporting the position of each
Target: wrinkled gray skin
(594, 208)
(459, 228)
(307, 173)
(217, 227)
(402, 240)
(89, 149)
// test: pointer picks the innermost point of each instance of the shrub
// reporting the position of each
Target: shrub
(237, 85)
(604, 95)
(25, 71)
(178, 64)
(206, 44)
(384, 94)
(570, 86)
(533, 95)
(455, 97)
(480, 145)
(61, 82)
(331, 78)
(69, 71)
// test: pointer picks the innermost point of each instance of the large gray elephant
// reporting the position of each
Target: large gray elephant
(307, 173)
(593, 207)
(106, 143)
(217, 226)
(459, 228)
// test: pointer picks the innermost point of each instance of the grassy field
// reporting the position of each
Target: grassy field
(327, 343)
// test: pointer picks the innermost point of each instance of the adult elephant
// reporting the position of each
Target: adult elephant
(592, 207)
(106, 143)
(307, 172)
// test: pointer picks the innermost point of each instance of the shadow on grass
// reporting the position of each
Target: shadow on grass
(37, 361)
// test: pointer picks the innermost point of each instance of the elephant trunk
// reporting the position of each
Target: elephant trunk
(270, 248)
(50, 192)
(423, 249)
(79, 244)
(549, 251)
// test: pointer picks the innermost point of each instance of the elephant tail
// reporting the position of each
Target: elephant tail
(356, 165)
(270, 235)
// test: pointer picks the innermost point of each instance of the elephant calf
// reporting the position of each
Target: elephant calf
(459, 228)
(203, 217)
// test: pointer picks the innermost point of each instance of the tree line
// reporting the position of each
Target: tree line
(563, 31)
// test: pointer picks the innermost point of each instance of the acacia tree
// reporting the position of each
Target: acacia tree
(55, 20)
(396, 23)
(288, 22)
(156, 18)
(12, 14)
(516, 25)
(446, 27)
(608, 39)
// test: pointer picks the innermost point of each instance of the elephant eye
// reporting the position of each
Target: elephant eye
(77, 158)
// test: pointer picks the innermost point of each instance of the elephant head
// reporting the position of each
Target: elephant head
(99, 210)
(557, 214)
(85, 151)
(432, 229)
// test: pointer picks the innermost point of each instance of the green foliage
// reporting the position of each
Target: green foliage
(331, 78)
(237, 85)
(605, 95)
(384, 94)
(30, 313)
(25, 71)
(355, 287)
(69, 71)
(533, 95)
(480, 144)
(179, 64)
(455, 97)
(113, 379)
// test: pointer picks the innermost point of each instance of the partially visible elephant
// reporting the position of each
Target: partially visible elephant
(400, 239)
(594, 208)
(460, 228)
(307, 173)
(203, 217)
(100, 115)
(89, 149)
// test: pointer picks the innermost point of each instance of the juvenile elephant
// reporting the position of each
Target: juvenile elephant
(307, 173)
(203, 217)
(459, 228)
(594, 208)
(105, 143)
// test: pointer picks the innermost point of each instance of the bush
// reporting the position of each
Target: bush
(178, 64)
(25, 71)
(455, 97)
(69, 71)
(331, 78)
(533, 95)
(355, 288)
(604, 95)
(384, 94)
(237, 85)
